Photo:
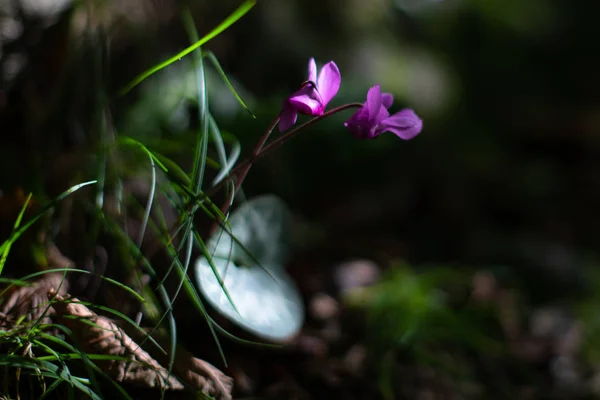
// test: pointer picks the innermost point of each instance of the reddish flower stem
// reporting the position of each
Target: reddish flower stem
(241, 170)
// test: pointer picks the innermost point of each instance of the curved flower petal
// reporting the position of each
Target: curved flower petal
(329, 82)
(381, 115)
(306, 104)
(312, 71)
(287, 118)
(374, 102)
(405, 124)
(359, 125)
(387, 100)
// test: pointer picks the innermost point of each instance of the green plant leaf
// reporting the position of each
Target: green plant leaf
(234, 17)
(17, 233)
(215, 62)
(267, 302)
(6, 249)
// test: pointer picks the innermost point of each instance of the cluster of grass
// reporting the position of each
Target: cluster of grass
(48, 360)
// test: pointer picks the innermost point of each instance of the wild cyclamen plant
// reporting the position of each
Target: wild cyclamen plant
(370, 120)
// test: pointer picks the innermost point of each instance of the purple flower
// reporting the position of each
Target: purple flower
(373, 118)
(313, 97)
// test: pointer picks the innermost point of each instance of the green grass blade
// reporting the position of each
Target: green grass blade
(162, 292)
(50, 389)
(80, 271)
(15, 227)
(234, 17)
(202, 141)
(220, 146)
(126, 319)
(17, 234)
(129, 141)
(150, 200)
(239, 340)
(227, 164)
(174, 171)
(209, 258)
(210, 55)
(195, 297)
(88, 365)
(48, 369)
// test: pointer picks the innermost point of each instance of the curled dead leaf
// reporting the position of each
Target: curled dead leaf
(99, 335)
(31, 302)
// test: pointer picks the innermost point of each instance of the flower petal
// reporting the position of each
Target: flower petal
(287, 118)
(359, 125)
(387, 100)
(374, 102)
(306, 103)
(405, 124)
(329, 82)
(312, 71)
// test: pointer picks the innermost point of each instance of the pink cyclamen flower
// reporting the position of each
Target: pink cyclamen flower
(313, 97)
(373, 118)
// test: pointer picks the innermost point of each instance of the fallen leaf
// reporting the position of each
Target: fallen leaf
(97, 334)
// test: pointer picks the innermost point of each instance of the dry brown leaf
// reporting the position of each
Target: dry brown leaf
(190, 369)
(100, 335)
(202, 375)
(30, 301)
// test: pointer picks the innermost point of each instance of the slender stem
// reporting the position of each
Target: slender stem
(294, 132)
(241, 170)
(255, 153)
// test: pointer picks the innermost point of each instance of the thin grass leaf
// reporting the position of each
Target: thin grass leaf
(195, 297)
(10, 242)
(47, 348)
(209, 258)
(14, 282)
(124, 287)
(129, 141)
(234, 17)
(77, 356)
(102, 165)
(90, 368)
(184, 268)
(220, 145)
(193, 294)
(224, 225)
(47, 308)
(86, 322)
(239, 340)
(126, 319)
(202, 142)
(215, 62)
(162, 292)
(88, 365)
(172, 327)
(149, 201)
(17, 234)
(49, 370)
(50, 389)
(227, 163)
(173, 170)
(80, 271)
